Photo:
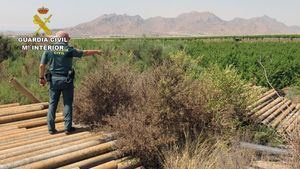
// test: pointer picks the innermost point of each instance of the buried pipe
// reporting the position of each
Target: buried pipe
(265, 149)
(24, 91)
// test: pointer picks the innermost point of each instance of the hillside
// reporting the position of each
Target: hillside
(187, 24)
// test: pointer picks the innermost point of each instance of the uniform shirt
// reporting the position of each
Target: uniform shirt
(60, 62)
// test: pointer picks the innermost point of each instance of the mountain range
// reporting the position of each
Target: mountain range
(186, 24)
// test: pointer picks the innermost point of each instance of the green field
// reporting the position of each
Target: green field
(280, 59)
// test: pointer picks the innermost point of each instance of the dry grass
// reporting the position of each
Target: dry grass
(202, 154)
(295, 145)
(293, 93)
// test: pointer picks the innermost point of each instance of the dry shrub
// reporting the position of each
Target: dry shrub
(204, 154)
(166, 102)
(102, 93)
(152, 109)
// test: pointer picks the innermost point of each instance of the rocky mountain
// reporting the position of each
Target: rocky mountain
(187, 24)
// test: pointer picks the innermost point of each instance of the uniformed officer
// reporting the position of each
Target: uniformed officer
(61, 79)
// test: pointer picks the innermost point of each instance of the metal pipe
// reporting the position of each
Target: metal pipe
(278, 110)
(269, 94)
(41, 145)
(260, 106)
(72, 157)
(294, 124)
(16, 130)
(112, 164)
(129, 164)
(295, 117)
(24, 116)
(9, 105)
(109, 165)
(280, 106)
(266, 108)
(91, 162)
(28, 133)
(39, 123)
(43, 159)
(266, 149)
(283, 115)
(32, 139)
(23, 109)
(59, 144)
(284, 124)
(2, 126)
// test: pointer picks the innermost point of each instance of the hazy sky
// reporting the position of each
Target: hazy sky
(17, 14)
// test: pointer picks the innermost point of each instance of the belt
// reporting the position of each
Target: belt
(59, 74)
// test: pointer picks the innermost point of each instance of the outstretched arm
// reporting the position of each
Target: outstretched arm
(91, 52)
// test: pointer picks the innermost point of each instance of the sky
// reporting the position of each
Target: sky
(17, 15)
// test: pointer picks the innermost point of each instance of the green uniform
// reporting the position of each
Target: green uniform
(60, 63)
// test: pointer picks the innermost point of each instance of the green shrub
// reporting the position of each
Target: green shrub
(6, 48)
(145, 53)
(9, 49)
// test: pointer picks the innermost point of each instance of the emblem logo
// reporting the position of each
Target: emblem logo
(42, 23)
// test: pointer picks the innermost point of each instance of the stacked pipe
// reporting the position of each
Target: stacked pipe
(276, 111)
(9, 105)
(25, 143)
(25, 112)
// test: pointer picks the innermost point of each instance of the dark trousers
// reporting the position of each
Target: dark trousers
(58, 85)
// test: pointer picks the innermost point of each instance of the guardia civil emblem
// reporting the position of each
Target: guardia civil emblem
(42, 22)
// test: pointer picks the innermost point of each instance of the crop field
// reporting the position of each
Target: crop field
(178, 99)
(280, 59)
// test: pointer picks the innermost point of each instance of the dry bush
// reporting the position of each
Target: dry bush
(150, 110)
(102, 93)
(166, 102)
(203, 154)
